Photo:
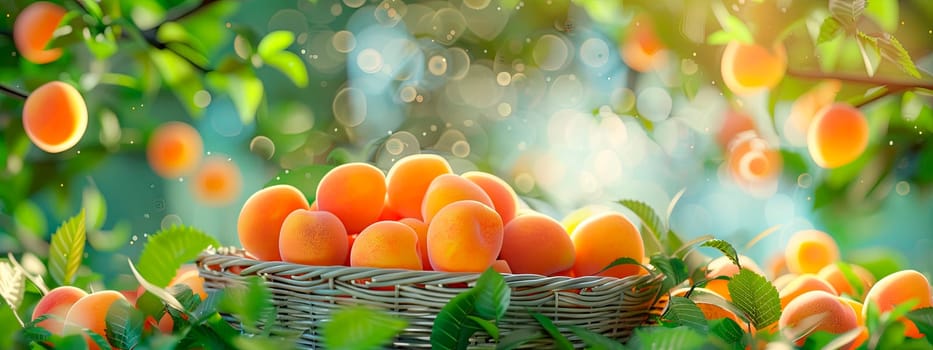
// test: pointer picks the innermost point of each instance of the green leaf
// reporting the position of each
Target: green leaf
(829, 30)
(487, 326)
(892, 50)
(98, 340)
(110, 240)
(650, 221)
(157, 291)
(33, 333)
(183, 293)
(170, 248)
(720, 37)
(869, 59)
(519, 337)
(596, 341)
(258, 343)
(67, 250)
(754, 295)
(673, 268)
(852, 279)
(291, 65)
(305, 179)
(251, 303)
(102, 45)
(492, 295)
(892, 336)
(274, 43)
(180, 76)
(92, 8)
(244, 88)
(452, 329)
(734, 27)
(560, 341)
(93, 202)
(923, 318)
(667, 338)
(686, 313)
(885, 12)
(360, 328)
(847, 12)
(29, 217)
(12, 285)
(726, 329)
(726, 248)
(124, 325)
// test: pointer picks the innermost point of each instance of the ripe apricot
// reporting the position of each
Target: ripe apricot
(421, 229)
(783, 280)
(642, 50)
(501, 266)
(449, 188)
(777, 265)
(389, 214)
(753, 163)
(33, 30)
(355, 193)
(574, 218)
(834, 276)
(217, 182)
(536, 244)
(749, 68)
(504, 199)
(722, 266)
(464, 236)
(386, 244)
(808, 251)
(806, 107)
(313, 238)
(603, 238)
(57, 303)
(174, 149)
(837, 136)
(711, 305)
(831, 314)
(734, 123)
(857, 308)
(91, 312)
(55, 117)
(898, 288)
(802, 284)
(261, 217)
(408, 180)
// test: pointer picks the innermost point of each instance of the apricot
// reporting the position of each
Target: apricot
(501, 266)
(722, 266)
(802, 284)
(857, 308)
(56, 304)
(355, 193)
(832, 315)
(91, 312)
(174, 149)
(734, 123)
(777, 265)
(313, 238)
(261, 217)
(808, 251)
(408, 180)
(834, 276)
(55, 117)
(574, 218)
(536, 244)
(710, 306)
(806, 107)
(642, 50)
(386, 244)
(749, 68)
(350, 240)
(33, 30)
(193, 280)
(504, 199)
(464, 236)
(603, 238)
(389, 214)
(837, 136)
(783, 280)
(898, 288)
(449, 188)
(421, 229)
(218, 181)
(753, 162)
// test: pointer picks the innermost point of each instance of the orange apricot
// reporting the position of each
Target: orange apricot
(802, 284)
(825, 309)
(536, 244)
(834, 276)
(261, 217)
(806, 107)
(574, 218)
(421, 229)
(857, 308)
(313, 238)
(642, 50)
(91, 312)
(753, 163)
(449, 188)
(783, 280)
(389, 214)
(711, 305)
(504, 199)
(56, 304)
(501, 266)
(777, 266)
(174, 149)
(193, 280)
(837, 136)
(55, 117)
(218, 181)
(808, 251)
(898, 288)
(722, 266)
(355, 193)
(464, 236)
(749, 68)
(350, 240)
(386, 244)
(33, 30)
(734, 123)
(603, 238)
(408, 181)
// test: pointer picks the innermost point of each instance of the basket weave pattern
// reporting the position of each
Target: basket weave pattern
(306, 295)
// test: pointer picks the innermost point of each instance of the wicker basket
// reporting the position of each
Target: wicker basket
(306, 295)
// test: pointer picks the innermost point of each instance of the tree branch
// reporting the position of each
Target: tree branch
(13, 92)
(180, 16)
(860, 79)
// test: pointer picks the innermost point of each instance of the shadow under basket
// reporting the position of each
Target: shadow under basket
(305, 296)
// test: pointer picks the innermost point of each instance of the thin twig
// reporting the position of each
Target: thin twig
(878, 96)
(860, 79)
(13, 92)
(180, 16)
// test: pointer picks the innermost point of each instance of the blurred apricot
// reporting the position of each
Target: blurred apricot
(34, 28)
(536, 244)
(749, 68)
(857, 308)
(896, 289)
(91, 312)
(217, 182)
(464, 236)
(504, 199)
(55, 117)
(56, 304)
(641, 49)
(261, 217)
(408, 181)
(449, 188)
(834, 276)
(837, 136)
(734, 123)
(355, 193)
(783, 280)
(777, 265)
(805, 109)
(808, 251)
(825, 310)
(754, 164)
(802, 284)
(603, 238)
(174, 149)
(313, 238)
(386, 244)
(421, 229)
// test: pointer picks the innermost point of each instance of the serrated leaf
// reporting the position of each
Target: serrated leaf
(98, 340)
(183, 293)
(518, 338)
(170, 248)
(157, 291)
(274, 43)
(726, 248)
(452, 328)
(673, 268)
(596, 341)
(67, 250)
(487, 326)
(685, 312)
(754, 295)
(291, 65)
(869, 61)
(492, 295)
(124, 325)
(251, 303)
(923, 318)
(12, 284)
(35, 333)
(847, 12)
(360, 328)
(829, 30)
(650, 221)
(892, 50)
(727, 329)
(560, 341)
(667, 338)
